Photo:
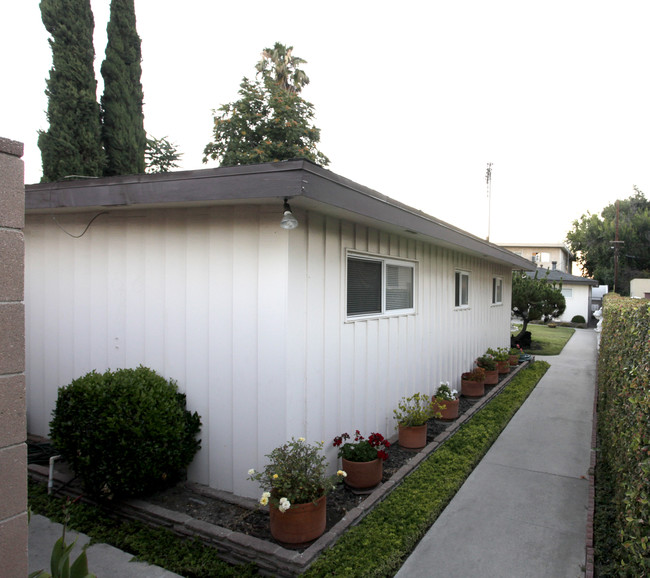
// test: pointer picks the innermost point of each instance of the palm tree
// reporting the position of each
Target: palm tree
(280, 62)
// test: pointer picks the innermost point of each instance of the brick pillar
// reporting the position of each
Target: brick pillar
(13, 450)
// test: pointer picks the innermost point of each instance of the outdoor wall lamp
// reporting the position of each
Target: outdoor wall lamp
(288, 220)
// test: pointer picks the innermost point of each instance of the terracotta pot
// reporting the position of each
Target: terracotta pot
(492, 377)
(472, 388)
(300, 524)
(451, 408)
(514, 360)
(363, 475)
(413, 437)
(503, 366)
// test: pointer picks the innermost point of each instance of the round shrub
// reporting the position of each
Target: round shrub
(124, 433)
(578, 319)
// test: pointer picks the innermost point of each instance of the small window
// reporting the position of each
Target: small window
(461, 289)
(379, 286)
(497, 290)
(567, 293)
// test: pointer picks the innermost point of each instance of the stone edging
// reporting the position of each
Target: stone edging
(591, 501)
(273, 559)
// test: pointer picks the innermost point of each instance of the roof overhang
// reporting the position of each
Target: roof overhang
(309, 186)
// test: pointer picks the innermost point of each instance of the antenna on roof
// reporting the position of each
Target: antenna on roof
(488, 180)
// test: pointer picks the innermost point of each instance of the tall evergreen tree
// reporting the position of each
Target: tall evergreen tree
(270, 121)
(123, 133)
(72, 144)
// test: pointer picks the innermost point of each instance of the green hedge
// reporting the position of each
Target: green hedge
(623, 476)
(381, 542)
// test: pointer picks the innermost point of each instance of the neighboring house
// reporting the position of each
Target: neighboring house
(640, 288)
(576, 290)
(271, 333)
(555, 257)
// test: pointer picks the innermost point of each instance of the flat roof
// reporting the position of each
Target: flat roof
(307, 185)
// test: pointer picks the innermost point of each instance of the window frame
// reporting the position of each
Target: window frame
(459, 274)
(496, 279)
(385, 261)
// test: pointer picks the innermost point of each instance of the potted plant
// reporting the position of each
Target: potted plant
(295, 487)
(489, 364)
(514, 356)
(502, 355)
(362, 459)
(473, 382)
(445, 401)
(412, 414)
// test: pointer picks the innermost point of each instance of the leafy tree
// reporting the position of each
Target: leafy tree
(72, 144)
(270, 121)
(161, 155)
(123, 133)
(534, 298)
(592, 235)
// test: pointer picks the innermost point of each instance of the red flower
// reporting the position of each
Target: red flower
(382, 455)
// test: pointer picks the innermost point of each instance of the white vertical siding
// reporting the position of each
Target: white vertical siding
(249, 319)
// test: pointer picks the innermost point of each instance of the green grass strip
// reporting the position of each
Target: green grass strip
(153, 545)
(381, 542)
(548, 340)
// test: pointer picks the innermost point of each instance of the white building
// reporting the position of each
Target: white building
(271, 333)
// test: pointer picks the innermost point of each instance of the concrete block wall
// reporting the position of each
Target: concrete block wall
(13, 449)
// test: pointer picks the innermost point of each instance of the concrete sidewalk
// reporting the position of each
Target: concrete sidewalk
(103, 560)
(523, 510)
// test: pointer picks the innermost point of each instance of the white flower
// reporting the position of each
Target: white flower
(341, 473)
(251, 472)
(454, 393)
(264, 500)
(301, 439)
(284, 505)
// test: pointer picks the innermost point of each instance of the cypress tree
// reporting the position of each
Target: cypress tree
(123, 133)
(72, 144)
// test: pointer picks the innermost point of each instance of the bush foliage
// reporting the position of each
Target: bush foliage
(624, 437)
(125, 433)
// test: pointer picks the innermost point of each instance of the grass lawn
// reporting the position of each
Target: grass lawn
(548, 340)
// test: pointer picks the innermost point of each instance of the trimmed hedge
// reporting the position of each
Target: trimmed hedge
(385, 537)
(125, 433)
(623, 477)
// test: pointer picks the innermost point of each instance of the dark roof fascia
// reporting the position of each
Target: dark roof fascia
(558, 276)
(306, 184)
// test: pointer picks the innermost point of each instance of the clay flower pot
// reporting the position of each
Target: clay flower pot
(300, 524)
(514, 360)
(471, 388)
(363, 475)
(503, 366)
(413, 437)
(491, 377)
(450, 412)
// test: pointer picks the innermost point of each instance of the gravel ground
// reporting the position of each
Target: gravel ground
(254, 521)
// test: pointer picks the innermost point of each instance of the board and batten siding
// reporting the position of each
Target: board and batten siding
(249, 320)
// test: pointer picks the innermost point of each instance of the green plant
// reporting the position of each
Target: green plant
(124, 433)
(445, 393)
(414, 410)
(477, 374)
(362, 449)
(622, 539)
(487, 362)
(60, 558)
(296, 474)
(500, 354)
(578, 319)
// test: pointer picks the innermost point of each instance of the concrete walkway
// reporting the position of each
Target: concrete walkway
(523, 510)
(103, 560)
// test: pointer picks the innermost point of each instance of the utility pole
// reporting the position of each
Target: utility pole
(616, 244)
(488, 180)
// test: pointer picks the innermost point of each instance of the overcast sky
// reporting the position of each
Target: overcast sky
(413, 99)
